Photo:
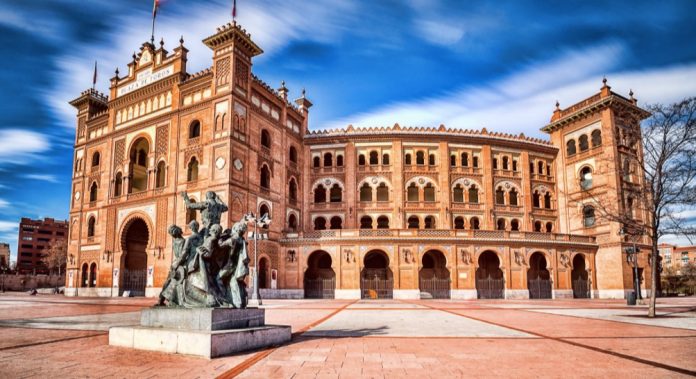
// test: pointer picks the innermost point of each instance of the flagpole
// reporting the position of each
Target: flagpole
(152, 36)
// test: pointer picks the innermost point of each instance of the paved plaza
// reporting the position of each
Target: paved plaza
(53, 336)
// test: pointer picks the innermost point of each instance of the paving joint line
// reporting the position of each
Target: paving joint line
(50, 341)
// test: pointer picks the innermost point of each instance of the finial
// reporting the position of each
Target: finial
(304, 92)
(181, 40)
(282, 83)
(162, 42)
(558, 105)
(604, 80)
(116, 71)
(630, 93)
(134, 56)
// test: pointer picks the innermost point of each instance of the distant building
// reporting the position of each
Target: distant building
(4, 254)
(35, 236)
(676, 257)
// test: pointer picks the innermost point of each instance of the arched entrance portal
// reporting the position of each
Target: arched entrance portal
(580, 278)
(489, 277)
(135, 240)
(538, 277)
(319, 278)
(376, 279)
(434, 277)
(263, 273)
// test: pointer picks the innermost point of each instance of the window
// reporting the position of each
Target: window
(412, 192)
(385, 159)
(93, 275)
(195, 129)
(336, 194)
(500, 196)
(501, 224)
(319, 223)
(431, 159)
(547, 200)
(138, 166)
(407, 159)
(465, 159)
(265, 139)
(90, 226)
(382, 222)
(475, 223)
(85, 279)
(93, 192)
(588, 216)
(514, 165)
(473, 194)
(570, 148)
(361, 160)
(293, 154)
(365, 192)
(382, 192)
(583, 143)
(495, 163)
(513, 196)
(685, 257)
(192, 172)
(549, 227)
(413, 222)
(292, 190)
(514, 225)
(429, 222)
(459, 222)
(320, 194)
(586, 178)
(596, 138)
(541, 168)
(316, 162)
(265, 180)
(505, 163)
(453, 160)
(190, 213)
(458, 194)
(95, 159)
(536, 200)
(531, 167)
(263, 210)
(429, 192)
(537, 226)
(475, 161)
(420, 158)
(336, 223)
(365, 222)
(339, 161)
(161, 175)
(328, 160)
(374, 157)
(292, 222)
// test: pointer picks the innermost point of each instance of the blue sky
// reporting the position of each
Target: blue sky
(500, 65)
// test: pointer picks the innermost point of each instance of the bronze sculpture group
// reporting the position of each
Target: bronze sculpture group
(209, 267)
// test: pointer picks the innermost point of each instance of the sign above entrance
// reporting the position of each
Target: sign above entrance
(145, 78)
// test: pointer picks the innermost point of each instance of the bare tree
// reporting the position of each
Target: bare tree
(56, 256)
(658, 171)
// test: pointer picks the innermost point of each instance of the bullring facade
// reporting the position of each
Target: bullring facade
(399, 212)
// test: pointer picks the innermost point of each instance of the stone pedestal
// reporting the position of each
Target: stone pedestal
(204, 332)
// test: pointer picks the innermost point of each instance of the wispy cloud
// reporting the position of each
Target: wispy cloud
(42, 177)
(17, 144)
(4, 203)
(7, 226)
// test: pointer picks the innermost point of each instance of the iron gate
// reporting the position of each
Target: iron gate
(134, 281)
(581, 288)
(377, 288)
(490, 288)
(539, 288)
(435, 288)
(320, 288)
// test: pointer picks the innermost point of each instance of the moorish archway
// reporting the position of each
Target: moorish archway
(376, 279)
(434, 277)
(319, 278)
(538, 277)
(135, 239)
(490, 283)
(580, 278)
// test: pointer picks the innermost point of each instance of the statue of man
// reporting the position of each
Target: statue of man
(211, 208)
(235, 271)
(171, 290)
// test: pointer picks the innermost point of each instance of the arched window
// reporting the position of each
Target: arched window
(320, 194)
(85, 278)
(382, 192)
(292, 189)
(431, 159)
(513, 196)
(536, 199)
(374, 157)
(385, 159)
(336, 194)
(473, 194)
(319, 223)
(407, 159)
(583, 143)
(547, 200)
(138, 166)
(190, 213)
(336, 223)
(161, 175)
(420, 158)
(195, 129)
(95, 159)
(365, 222)
(537, 226)
(192, 171)
(339, 161)
(596, 138)
(293, 154)
(263, 210)
(265, 139)
(265, 179)
(382, 222)
(541, 167)
(495, 163)
(328, 160)
(93, 189)
(570, 147)
(514, 225)
(292, 222)
(505, 163)
(500, 196)
(458, 194)
(361, 160)
(118, 185)
(465, 159)
(93, 275)
(501, 224)
(586, 178)
(365, 192)
(90, 226)
(549, 227)
(412, 192)
(413, 222)
(429, 192)
(531, 167)
(316, 162)
(453, 160)
(475, 223)
(429, 222)
(475, 161)
(514, 165)
(588, 216)
(459, 222)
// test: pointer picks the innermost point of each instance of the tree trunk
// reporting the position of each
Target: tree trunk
(653, 281)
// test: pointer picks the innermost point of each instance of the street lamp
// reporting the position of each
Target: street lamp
(632, 260)
(264, 221)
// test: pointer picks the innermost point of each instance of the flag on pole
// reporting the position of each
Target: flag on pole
(94, 77)
(155, 5)
(234, 9)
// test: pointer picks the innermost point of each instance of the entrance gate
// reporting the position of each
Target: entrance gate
(135, 281)
(436, 288)
(581, 288)
(538, 277)
(376, 279)
(490, 288)
(376, 288)
(539, 288)
(580, 278)
(320, 288)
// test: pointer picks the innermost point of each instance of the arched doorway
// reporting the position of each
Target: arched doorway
(434, 277)
(538, 277)
(263, 273)
(135, 240)
(489, 277)
(376, 279)
(580, 278)
(319, 278)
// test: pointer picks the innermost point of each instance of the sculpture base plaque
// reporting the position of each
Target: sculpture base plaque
(203, 332)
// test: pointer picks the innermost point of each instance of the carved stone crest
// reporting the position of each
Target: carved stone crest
(564, 258)
(519, 258)
(466, 257)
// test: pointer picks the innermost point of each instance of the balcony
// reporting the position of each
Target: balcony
(328, 170)
(507, 173)
(374, 168)
(508, 208)
(328, 205)
(543, 178)
(465, 170)
(544, 212)
(467, 206)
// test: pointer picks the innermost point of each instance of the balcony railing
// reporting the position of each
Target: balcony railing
(374, 168)
(328, 205)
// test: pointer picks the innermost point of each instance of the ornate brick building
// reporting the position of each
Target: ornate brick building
(387, 212)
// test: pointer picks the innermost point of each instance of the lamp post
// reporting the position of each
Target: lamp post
(4, 271)
(632, 260)
(263, 222)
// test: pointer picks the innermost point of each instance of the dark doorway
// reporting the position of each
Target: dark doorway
(135, 259)
(580, 278)
(376, 279)
(489, 277)
(538, 277)
(320, 278)
(434, 277)
(263, 273)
